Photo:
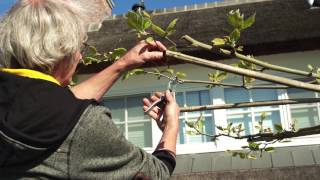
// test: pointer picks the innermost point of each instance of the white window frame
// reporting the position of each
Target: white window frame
(217, 97)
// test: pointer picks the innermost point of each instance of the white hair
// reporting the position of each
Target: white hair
(38, 34)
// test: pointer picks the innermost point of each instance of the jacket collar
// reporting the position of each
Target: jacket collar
(31, 74)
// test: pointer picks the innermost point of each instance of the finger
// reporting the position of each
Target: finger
(154, 98)
(146, 102)
(158, 94)
(154, 55)
(158, 45)
(169, 96)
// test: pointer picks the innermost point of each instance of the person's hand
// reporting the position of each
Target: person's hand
(170, 112)
(141, 53)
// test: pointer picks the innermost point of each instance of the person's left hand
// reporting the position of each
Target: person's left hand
(141, 53)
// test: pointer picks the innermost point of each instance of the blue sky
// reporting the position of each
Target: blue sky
(122, 6)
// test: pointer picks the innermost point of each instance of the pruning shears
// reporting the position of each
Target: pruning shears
(160, 103)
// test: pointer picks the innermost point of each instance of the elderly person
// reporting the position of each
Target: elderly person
(48, 131)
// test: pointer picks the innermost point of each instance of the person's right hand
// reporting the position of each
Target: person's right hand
(141, 53)
(170, 112)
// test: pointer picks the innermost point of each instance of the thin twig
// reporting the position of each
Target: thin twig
(240, 71)
(248, 58)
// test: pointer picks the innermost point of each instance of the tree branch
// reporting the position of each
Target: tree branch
(249, 104)
(249, 59)
(233, 85)
(258, 75)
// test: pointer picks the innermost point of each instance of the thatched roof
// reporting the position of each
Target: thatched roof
(281, 26)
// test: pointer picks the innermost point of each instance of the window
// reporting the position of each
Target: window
(249, 117)
(305, 115)
(128, 115)
(194, 98)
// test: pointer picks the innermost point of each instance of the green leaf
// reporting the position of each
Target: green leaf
(145, 14)
(263, 116)
(249, 22)
(278, 127)
(220, 128)
(137, 71)
(235, 35)
(126, 75)
(218, 41)
(181, 75)
(169, 71)
(253, 146)
(242, 155)
(117, 53)
(269, 149)
(234, 154)
(229, 126)
(189, 124)
(235, 19)
(251, 156)
(138, 21)
(310, 67)
(171, 27)
(149, 40)
(158, 30)
(191, 133)
(89, 60)
(249, 80)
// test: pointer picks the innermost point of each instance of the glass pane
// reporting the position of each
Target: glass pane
(134, 107)
(182, 132)
(244, 119)
(140, 134)
(236, 95)
(264, 95)
(305, 117)
(116, 106)
(193, 98)
(271, 119)
(299, 93)
(198, 98)
(180, 100)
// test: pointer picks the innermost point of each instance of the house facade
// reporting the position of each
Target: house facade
(286, 33)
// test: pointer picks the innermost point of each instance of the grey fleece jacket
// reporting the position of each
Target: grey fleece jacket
(95, 149)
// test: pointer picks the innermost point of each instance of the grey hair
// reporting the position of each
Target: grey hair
(38, 34)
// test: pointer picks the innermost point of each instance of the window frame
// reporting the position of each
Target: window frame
(216, 96)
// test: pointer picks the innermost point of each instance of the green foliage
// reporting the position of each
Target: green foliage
(236, 19)
(171, 27)
(218, 42)
(278, 127)
(139, 22)
(198, 125)
(133, 72)
(269, 149)
(158, 30)
(218, 76)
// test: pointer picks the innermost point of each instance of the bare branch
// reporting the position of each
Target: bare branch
(240, 71)
(233, 85)
(249, 59)
(249, 104)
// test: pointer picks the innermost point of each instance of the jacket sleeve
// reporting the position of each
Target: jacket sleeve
(100, 151)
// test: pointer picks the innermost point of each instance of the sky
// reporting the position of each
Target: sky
(122, 6)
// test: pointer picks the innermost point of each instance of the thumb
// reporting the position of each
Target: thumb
(169, 96)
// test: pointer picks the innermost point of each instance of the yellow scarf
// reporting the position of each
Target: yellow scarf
(31, 74)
